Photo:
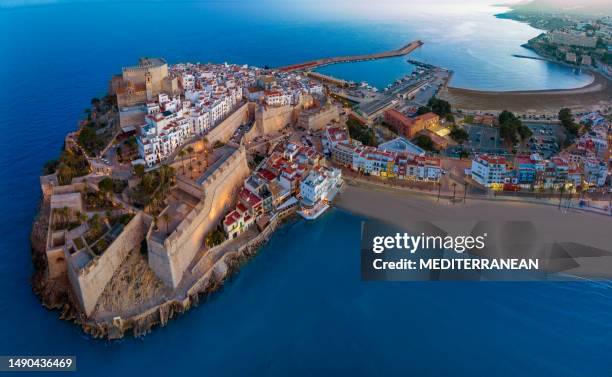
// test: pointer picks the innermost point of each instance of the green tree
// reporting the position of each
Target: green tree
(206, 145)
(439, 106)
(458, 134)
(567, 121)
(424, 142)
(139, 170)
(511, 128)
(214, 238)
(362, 133)
(106, 186)
(423, 110)
(190, 151)
(182, 155)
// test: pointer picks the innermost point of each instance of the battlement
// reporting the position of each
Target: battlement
(145, 64)
(208, 187)
(89, 277)
(170, 258)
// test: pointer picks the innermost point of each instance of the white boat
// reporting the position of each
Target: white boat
(314, 212)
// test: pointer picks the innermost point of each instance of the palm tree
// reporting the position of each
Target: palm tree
(182, 154)
(190, 151)
(155, 223)
(205, 145)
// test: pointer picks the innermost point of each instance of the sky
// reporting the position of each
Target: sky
(340, 4)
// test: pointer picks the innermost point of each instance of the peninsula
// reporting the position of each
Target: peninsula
(182, 171)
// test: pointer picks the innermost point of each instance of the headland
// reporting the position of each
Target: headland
(182, 171)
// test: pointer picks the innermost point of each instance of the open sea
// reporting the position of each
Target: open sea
(299, 307)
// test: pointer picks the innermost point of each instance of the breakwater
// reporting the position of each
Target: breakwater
(404, 50)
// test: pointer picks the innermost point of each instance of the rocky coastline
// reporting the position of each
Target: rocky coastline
(55, 294)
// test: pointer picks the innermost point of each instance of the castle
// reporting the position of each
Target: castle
(142, 82)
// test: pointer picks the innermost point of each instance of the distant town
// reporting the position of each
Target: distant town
(182, 171)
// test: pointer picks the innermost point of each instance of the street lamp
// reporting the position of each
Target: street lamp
(454, 191)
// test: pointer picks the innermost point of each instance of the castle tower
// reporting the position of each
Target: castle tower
(149, 86)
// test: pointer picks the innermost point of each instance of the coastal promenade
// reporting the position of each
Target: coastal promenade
(459, 196)
(309, 65)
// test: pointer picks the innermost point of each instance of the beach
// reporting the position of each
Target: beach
(596, 94)
(402, 208)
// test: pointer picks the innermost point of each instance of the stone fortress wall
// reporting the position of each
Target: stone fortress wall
(317, 119)
(224, 130)
(272, 119)
(60, 196)
(170, 259)
(89, 282)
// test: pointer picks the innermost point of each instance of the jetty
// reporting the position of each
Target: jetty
(530, 57)
(404, 50)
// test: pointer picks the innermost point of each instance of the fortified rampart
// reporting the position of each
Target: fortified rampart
(224, 130)
(89, 282)
(209, 280)
(272, 119)
(318, 118)
(169, 259)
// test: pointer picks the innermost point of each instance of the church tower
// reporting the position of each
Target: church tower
(149, 86)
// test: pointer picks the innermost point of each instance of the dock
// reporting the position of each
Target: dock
(404, 50)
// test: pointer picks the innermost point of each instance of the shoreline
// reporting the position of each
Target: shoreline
(594, 94)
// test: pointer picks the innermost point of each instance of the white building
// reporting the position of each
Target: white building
(488, 170)
(277, 98)
(321, 184)
(595, 172)
(161, 135)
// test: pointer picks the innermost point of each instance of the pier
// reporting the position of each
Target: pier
(404, 50)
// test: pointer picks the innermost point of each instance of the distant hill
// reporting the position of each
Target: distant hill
(568, 7)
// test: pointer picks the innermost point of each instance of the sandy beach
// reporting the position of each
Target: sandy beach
(402, 208)
(596, 94)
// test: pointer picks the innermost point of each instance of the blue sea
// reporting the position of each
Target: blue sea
(297, 308)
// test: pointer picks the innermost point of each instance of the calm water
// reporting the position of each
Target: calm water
(297, 308)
